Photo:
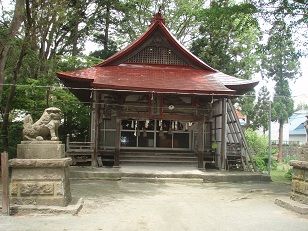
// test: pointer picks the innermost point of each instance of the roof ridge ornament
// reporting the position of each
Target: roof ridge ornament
(158, 16)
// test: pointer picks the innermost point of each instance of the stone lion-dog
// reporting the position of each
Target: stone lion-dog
(47, 125)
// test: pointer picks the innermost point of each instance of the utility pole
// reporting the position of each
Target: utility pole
(269, 139)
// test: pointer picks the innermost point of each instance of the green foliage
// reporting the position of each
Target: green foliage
(229, 41)
(288, 174)
(15, 134)
(283, 103)
(301, 106)
(261, 110)
(229, 37)
(281, 64)
(259, 144)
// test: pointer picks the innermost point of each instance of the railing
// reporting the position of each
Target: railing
(276, 142)
(80, 152)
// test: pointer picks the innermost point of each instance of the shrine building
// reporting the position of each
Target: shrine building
(155, 103)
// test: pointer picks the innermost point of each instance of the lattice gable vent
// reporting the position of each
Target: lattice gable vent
(156, 55)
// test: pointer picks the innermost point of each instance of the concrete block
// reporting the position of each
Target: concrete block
(40, 150)
(38, 174)
(40, 163)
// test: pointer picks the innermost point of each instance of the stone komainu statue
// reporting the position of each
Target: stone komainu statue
(46, 126)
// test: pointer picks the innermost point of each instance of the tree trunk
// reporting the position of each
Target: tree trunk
(8, 105)
(280, 139)
(106, 32)
(14, 27)
(16, 71)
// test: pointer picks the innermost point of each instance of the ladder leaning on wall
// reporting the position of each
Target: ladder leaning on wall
(239, 155)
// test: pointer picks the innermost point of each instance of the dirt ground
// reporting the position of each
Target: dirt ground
(118, 205)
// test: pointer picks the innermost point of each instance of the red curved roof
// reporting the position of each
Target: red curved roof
(134, 77)
(196, 78)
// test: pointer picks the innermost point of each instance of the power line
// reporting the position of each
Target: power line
(52, 87)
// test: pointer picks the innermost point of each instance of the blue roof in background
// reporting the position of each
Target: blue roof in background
(296, 122)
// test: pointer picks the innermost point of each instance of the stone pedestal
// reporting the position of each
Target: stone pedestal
(303, 152)
(299, 190)
(40, 174)
(40, 181)
(40, 150)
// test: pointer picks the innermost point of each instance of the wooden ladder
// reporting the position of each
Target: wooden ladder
(239, 154)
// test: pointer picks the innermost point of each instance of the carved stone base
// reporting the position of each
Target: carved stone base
(300, 181)
(303, 152)
(40, 150)
(40, 181)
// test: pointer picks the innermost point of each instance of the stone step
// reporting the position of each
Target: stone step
(157, 153)
(158, 157)
(158, 162)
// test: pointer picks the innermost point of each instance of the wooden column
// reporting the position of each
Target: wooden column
(223, 134)
(200, 145)
(5, 183)
(117, 143)
(96, 106)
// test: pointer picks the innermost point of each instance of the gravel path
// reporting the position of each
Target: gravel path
(116, 205)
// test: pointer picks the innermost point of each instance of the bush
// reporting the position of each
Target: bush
(288, 174)
(259, 144)
(15, 137)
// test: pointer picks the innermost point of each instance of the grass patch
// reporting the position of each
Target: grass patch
(281, 174)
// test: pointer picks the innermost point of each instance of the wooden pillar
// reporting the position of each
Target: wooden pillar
(5, 183)
(117, 143)
(96, 106)
(200, 145)
(223, 134)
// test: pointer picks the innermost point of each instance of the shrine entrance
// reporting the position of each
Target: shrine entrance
(155, 134)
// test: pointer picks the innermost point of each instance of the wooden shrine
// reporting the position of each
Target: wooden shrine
(154, 102)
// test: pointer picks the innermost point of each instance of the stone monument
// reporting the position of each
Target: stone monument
(40, 174)
(298, 200)
(299, 188)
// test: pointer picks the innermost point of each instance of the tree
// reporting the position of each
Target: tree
(7, 34)
(301, 106)
(117, 23)
(293, 12)
(281, 65)
(261, 111)
(33, 60)
(229, 41)
(229, 37)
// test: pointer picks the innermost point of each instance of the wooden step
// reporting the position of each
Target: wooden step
(136, 157)
(160, 162)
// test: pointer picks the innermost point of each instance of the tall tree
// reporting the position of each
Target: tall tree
(261, 111)
(281, 65)
(293, 12)
(229, 41)
(117, 23)
(7, 34)
(46, 34)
